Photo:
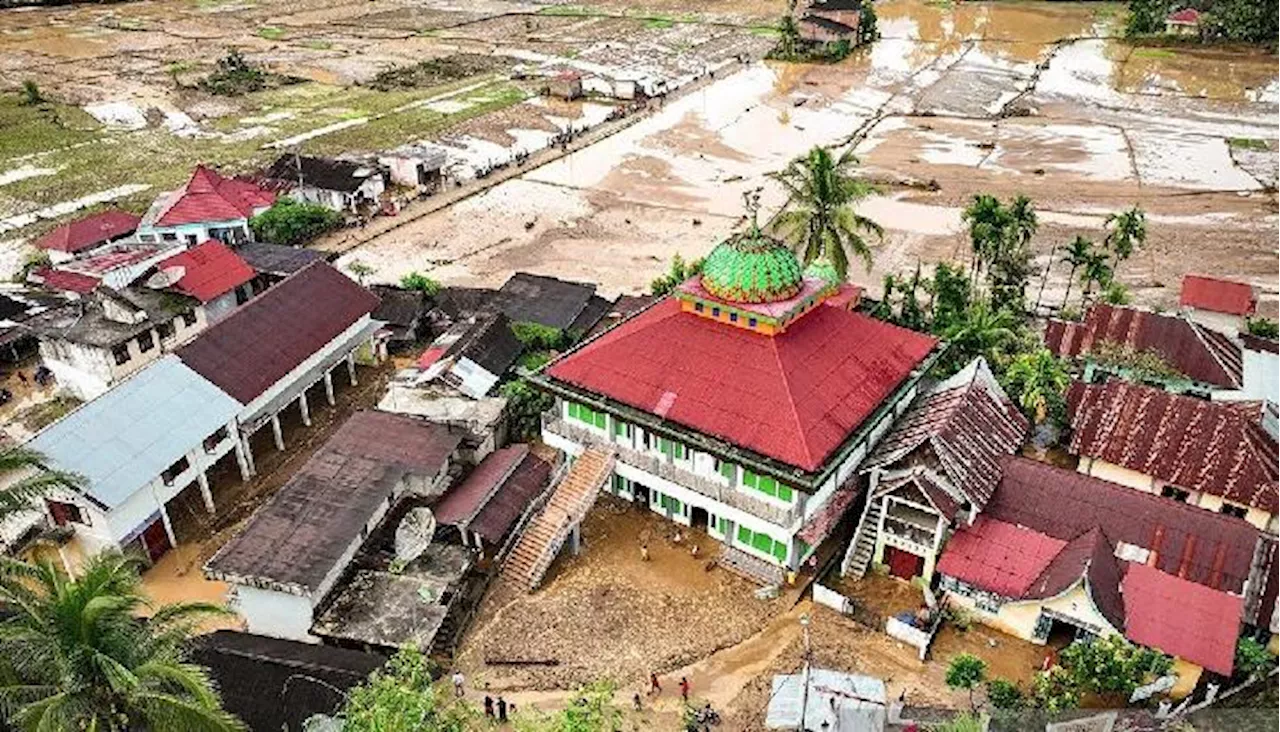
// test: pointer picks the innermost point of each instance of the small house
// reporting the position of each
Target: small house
(274, 262)
(82, 236)
(341, 185)
(566, 85)
(1217, 303)
(418, 166)
(472, 355)
(485, 507)
(828, 21)
(208, 206)
(290, 555)
(209, 272)
(402, 310)
(1184, 22)
(569, 307)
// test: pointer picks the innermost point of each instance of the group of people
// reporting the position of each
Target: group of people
(497, 709)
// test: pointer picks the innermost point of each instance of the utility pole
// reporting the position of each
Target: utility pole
(804, 672)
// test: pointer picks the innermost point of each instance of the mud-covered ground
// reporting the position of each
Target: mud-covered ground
(1034, 98)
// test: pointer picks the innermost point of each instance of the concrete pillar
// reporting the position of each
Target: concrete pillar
(575, 539)
(304, 408)
(202, 480)
(244, 458)
(351, 367)
(168, 525)
(328, 387)
(276, 432)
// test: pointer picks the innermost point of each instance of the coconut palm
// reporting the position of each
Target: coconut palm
(1040, 380)
(1023, 223)
(31, 480)
(1076, 254)
(819, 218)
(75, 655)
(988, 221)
(1126, 231)
(982, 331)
(1096, 271)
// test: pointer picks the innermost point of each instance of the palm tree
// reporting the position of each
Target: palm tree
(988, 221)
(1096, 272)
(74, 655)
(981, 332)
(1023, 223)
(1077, 254)
(35, 481)
(1127, 231)
(819, 217)
(1040, 380)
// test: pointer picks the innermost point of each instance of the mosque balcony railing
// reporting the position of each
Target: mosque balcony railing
(663, 467)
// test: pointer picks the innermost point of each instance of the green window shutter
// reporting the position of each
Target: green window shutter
(619, 428)
(744, 535)
(680, 450)
(724, 525)
(601, 419)
(780, 551)
(803, 548)
(763, 542)
(784, 492)
(675, 505)
(749, 479)
(573, 410)
(768, 486)
(728, 470)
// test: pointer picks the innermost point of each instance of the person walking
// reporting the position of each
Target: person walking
(635, 701)
(654, 686)
(502, 709)
(684, 688)
(644, 552)
(488, 706)
(458, 681)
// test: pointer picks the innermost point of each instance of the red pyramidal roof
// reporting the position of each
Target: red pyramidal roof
(89, 231)
(210, 269)
(211, 197)
(794, 397)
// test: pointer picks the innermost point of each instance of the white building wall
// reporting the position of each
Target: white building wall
(274, 614)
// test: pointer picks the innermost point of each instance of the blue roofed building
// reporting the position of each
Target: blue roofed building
(138, 446)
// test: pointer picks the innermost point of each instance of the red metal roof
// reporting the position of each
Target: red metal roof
(794, 397)
(464, 500)
(1186, 15)
(505, 507)
(211, 197)
(1219, 296)
(999, 557)
(89, 232)
(1200, 353)
(1213, 447)
(262, 341)
(58, 279)
(211, 270)
(1182, 618)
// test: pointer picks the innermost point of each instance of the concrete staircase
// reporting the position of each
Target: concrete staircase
(547, 532)
(858, 558)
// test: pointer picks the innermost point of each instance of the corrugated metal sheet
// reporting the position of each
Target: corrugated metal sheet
(125, 438)
(1219, 296)
(1182, 618)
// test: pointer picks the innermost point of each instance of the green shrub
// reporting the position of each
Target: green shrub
(538, 337)
(1253, 658)
(1262, 327)
(290, 223)
(1004, 695)
(417, 281)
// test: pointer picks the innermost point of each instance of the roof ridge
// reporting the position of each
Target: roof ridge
(791, 402)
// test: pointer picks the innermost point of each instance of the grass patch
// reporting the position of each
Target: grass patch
(566, 10)
(765, 31)
(659, 23)
(39, 416)
(271, 32)
(1247, 143)
(317, 45)
(28, 129)
(436, 71)
(1151, 52)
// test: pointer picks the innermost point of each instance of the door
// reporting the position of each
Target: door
(903, 565)
(698, 518)
(156, 540)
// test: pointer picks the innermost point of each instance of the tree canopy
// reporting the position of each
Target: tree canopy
(290, 223)
(819, 218)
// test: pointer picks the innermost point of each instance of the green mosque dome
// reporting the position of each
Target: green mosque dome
(822, 269)
(752, 267)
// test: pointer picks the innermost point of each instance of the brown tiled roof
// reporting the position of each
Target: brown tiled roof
(299, 537)
(966, 423)
(1201, 354)
(263, 340)
(1212, 447)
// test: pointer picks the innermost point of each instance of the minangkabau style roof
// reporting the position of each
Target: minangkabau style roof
(125, 438)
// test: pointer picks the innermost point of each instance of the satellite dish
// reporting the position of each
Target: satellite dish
(414, 533)
(167, 277)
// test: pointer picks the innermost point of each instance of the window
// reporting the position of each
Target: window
(189, 318)
(172, 472)
(169, 236)
(1176, 493)
(242, 296)
(744, 535)
(723, 526)
(753, 322)
(697, 307)
(669, 504)
(587, 415)
(146, 341)
(733, 317)
(762, 543)
(620, 484)
(621, 429)
(120, 353)
(671, 448)
(766, 485)
(1232, 510)
(192, 239)
(730, 471)
(64, 513)
(212, 441)
(165, 330)
(715, 312)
